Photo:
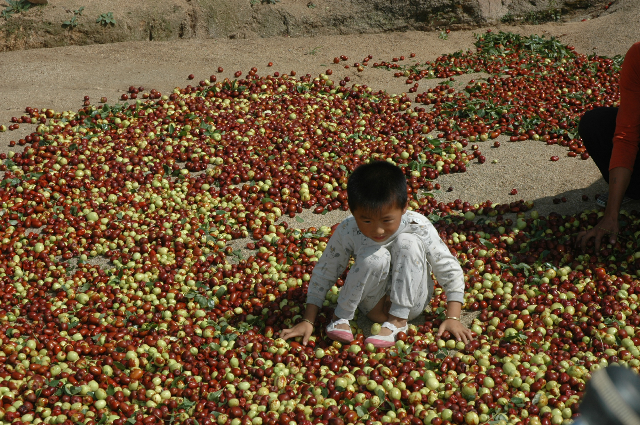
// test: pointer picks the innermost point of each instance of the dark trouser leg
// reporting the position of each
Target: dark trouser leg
(597, 128)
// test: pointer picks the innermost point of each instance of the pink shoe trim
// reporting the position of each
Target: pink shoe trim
(340, 335)
(379, 343)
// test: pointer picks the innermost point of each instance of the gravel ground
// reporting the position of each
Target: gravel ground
(59, 78)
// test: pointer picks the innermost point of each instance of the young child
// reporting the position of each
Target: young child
(395, 251)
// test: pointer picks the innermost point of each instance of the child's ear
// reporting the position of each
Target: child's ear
(404, 210)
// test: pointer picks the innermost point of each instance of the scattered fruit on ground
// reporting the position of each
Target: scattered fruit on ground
(123, 301)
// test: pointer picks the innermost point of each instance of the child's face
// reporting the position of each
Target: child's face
(379, 226)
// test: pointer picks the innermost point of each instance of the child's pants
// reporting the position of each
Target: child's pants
(399, 270)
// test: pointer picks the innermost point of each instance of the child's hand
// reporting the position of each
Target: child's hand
(457, 329)
(303, 329)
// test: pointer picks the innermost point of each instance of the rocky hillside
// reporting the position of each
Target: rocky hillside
(80, 22)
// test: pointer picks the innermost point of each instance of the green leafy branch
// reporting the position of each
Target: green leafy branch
(15, 6)
(73, 22)
(106, 19)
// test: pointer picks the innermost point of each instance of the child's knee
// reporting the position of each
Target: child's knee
(374, 260)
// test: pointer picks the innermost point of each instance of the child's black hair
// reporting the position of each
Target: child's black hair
(376, 185)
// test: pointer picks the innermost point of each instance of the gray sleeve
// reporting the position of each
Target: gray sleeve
(446, 267)
(332, 264)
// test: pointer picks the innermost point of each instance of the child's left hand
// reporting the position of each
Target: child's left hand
(457, 329)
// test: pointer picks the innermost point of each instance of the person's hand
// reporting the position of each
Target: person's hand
(303, 329)
(606, 229)
(457, 329)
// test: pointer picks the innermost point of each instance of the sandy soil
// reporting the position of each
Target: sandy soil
(59, 78)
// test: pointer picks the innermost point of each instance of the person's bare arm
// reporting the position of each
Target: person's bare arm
(304, 328)
(455, 327)
(619, 178)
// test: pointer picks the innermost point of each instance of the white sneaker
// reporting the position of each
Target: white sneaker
(380, 341)
(337, 334)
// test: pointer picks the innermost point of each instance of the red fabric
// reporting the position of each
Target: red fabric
(627, 135)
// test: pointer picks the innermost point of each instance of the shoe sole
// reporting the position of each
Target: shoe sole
(379, 343)
(340, 336)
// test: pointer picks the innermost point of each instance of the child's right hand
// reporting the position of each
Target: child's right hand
(303, 329)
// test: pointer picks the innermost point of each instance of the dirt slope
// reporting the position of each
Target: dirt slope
(163, 20)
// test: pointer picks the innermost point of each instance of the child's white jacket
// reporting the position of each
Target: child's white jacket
(347, 240)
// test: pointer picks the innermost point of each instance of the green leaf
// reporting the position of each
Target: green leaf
(518, 401)
(299, 219)
(380, 393)
(220, 292)
(361, 411)
(434, 218)
(111, 390)
(544, 254)
(536, 398)
(180, 378)
(186, 404)
(202, 301)
(501, 417)
(324, 392)
(524, 266)
(214, 396)
(487, 244)
(148, 326)
(73, 390)
(119, 365)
